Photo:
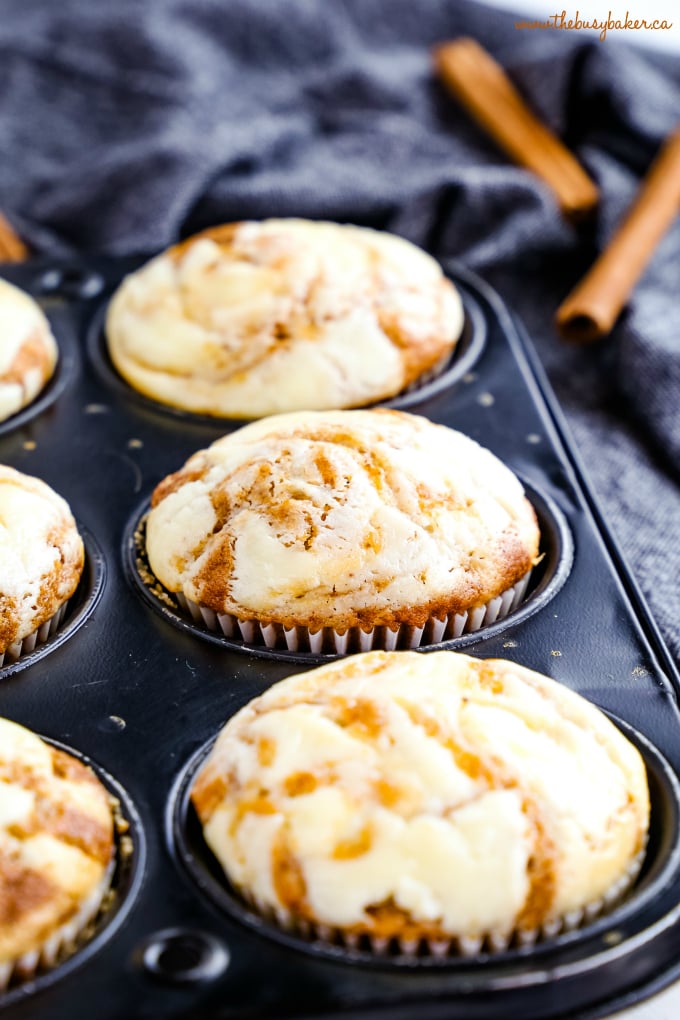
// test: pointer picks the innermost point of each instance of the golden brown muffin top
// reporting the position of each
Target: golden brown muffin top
(341, 519)
(257, 318)
(423, 795)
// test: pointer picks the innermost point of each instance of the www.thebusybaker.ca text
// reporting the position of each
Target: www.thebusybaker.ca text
(576, 23)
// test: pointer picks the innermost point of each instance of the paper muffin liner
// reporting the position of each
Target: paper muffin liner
(37, 637)
(459, 946)
(63, 942)
(335, 642)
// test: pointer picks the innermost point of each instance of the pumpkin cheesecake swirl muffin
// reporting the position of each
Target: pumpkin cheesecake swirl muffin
(56, 852)
(28, 351)
(359, 524)
(41, 561)
(256, 318)
(441, 801)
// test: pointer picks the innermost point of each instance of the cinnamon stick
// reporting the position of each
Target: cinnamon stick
(592, 308)
(12, 248)
(484, 90)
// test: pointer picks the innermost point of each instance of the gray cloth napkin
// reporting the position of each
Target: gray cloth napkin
(124, 126)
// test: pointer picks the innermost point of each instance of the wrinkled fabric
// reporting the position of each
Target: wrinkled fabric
(124, 126)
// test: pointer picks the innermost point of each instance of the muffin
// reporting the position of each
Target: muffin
(41, 561)
(56, 851)
(440, 801)
(257, 318)
(28, 351)
(320, 527)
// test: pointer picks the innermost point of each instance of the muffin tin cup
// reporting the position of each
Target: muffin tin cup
(621, 909)
(50, 392)
(68, 618)
(446, 373)
(101, 913)
(62, 942)
(451, 369)
(457, 630)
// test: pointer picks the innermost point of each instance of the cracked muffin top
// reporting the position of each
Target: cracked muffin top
(28, 351)
(41, 555)
(342, 519)
(423, 796)
(257, 318)
(56, 839)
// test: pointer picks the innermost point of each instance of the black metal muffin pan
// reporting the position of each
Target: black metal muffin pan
(138, 689)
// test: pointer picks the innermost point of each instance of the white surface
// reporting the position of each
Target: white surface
(589, 10)
(665, 1006)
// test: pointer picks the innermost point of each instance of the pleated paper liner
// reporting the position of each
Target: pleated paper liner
(459, 946)
(328, 641)
(39, 636)
(446, 373)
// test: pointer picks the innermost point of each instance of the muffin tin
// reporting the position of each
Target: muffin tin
(131, 683)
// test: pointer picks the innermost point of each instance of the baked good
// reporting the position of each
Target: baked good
(433, 799)
(41, 560)
(348, 520)
(56, 851)
(257, 318)
(28, 351)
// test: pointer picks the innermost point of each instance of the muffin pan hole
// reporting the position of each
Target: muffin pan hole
(466, 353)
(71, 282)
(126, 879)
(184, 956)
(630, 919)
(527, 597)
(67, 620)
